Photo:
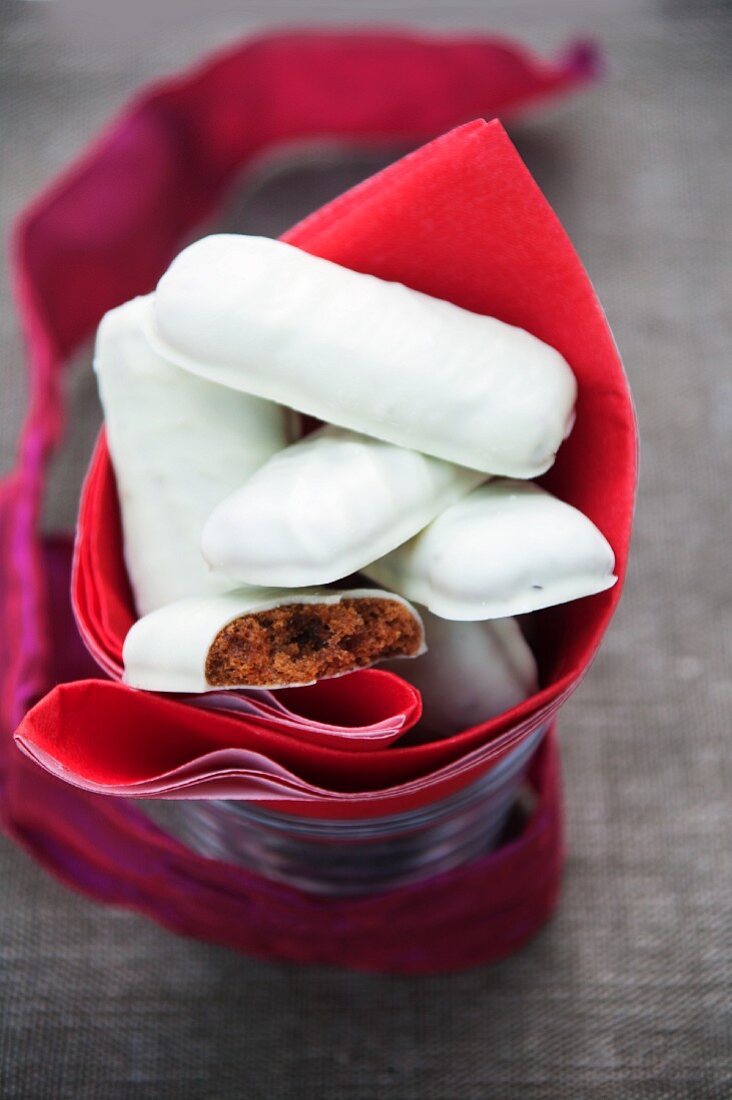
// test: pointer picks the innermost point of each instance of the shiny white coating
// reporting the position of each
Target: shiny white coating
(507, 548)
(264, 317)
(179, 444)
(326, 506)
(471, 672)
(167, 649)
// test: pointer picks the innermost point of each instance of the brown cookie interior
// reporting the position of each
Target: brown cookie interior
(299, 643)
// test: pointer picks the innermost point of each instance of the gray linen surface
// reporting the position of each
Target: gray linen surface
(627, 992)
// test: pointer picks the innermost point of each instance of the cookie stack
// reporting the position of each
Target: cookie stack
(252, 547)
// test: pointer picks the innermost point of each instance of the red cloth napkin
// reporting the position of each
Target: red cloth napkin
(460, 219)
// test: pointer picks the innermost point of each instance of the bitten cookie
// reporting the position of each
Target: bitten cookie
(268, 639)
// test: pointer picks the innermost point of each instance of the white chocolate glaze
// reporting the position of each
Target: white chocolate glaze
(179, 444)
(326, 506)
(377, 357)
(471, 672)
(507, 548)
(167, 649)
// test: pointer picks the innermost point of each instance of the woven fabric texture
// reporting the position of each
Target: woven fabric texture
(628, 993)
